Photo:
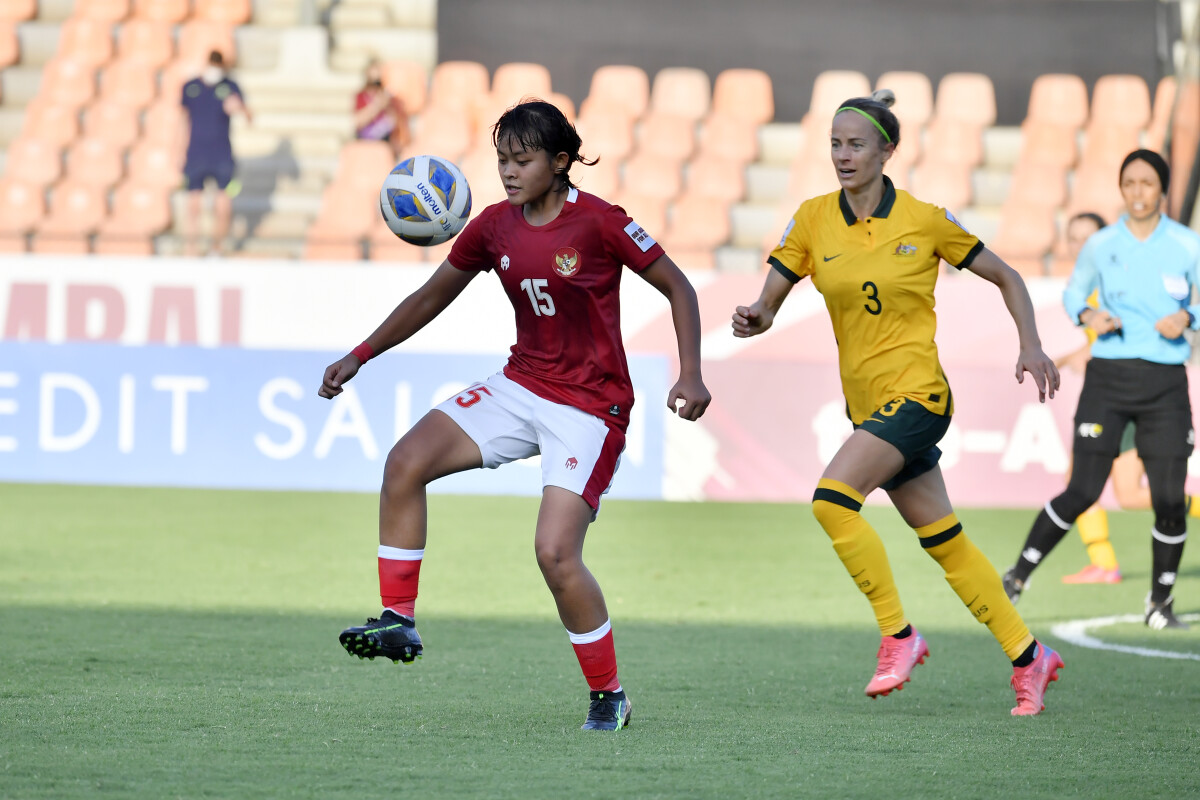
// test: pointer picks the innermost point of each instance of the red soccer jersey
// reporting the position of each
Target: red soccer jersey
(564, 281)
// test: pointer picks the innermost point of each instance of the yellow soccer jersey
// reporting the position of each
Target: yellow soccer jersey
(877, 276)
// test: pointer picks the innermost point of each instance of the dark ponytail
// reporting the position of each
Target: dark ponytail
(537, 125)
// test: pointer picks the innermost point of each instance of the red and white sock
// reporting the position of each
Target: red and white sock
(399, 573)
(597, 657)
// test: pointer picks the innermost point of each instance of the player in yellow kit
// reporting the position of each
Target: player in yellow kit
(874, 253)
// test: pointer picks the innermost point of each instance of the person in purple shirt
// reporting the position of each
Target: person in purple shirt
(210, 100)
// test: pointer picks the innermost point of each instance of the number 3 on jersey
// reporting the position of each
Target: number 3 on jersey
(543, 303)
(873, 305)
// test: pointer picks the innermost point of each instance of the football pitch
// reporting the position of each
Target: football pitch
(170, 643)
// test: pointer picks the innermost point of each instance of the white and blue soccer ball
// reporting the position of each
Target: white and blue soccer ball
(425, 200)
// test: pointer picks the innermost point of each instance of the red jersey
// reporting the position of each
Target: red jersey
(564, 281)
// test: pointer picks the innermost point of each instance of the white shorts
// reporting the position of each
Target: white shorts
(580, 453)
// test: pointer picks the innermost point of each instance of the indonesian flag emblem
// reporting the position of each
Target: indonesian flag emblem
(566, 261)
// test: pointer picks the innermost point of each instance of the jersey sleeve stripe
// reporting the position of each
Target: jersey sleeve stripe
(782, 270)
(970, 257)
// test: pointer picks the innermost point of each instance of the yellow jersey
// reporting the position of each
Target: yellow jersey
(877, 277)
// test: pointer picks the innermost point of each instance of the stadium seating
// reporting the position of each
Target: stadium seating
(728, 136)
(94, 162)
(112, 122)
(34, 162)
(944, 184)
(513, 81)
(682, 92)
(51, 124)
(617, 89)
(68, 81)
(139, 212)
(76, 211)
(649, 175)
(224, 12)
(717, 178)
(670, 137)
(22, 206)
(18, 10)
(407, 80)
(445, 130)
(103, 10)
(10, 45)
(696, 227)
(1025, 236)
(128, 83)
(173, 11)
(198, 38)
(745, 95)
(149, 42)
(86, 40)
(156, 163)
(609, 136)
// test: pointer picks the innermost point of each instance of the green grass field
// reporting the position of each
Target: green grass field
(163, 643)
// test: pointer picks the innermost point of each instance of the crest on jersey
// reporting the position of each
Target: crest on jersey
(903, 249)
(954, 219)
(566, 261)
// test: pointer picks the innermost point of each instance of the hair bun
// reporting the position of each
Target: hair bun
(885, 96)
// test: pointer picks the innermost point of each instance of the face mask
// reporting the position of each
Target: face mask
(212, 75)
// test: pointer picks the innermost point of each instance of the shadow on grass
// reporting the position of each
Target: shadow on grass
(138, 703)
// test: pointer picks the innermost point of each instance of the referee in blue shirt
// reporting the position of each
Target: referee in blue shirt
(1145, 266)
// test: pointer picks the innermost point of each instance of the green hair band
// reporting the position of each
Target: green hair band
(874, 121)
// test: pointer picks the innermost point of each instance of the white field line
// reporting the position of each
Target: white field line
(1076, 631)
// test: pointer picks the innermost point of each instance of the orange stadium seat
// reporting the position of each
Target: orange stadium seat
(602, 179)
(515, 80)
(139, 213)
(1058, 99)
(164, 123)
(1105, 146)
(966, 96)
(68, 82)
(1049, 143)
(1098, 191)
(617, 89)
(33, 161)
(811, 176)
(1025, 236)
(76, 211)
(89, 41)
(18, 10)
(156, 163)
(407, 80)
(22, 206)
(53, 124)
(383, 245)
(725, 136)
(832, 87)
(10, 45)
(104, 10)
(914, 101)
(96, 162)
(226, 12)
(746, 95)
(696, 227)
(128, 83)
(666, 136)
(198, 38)
(173, 76)
(362, 163)
(1041, 184)
(480, 169)
(718, 178)
(648, 211)
(1122, 100)
(1164, 101)
(149, 42)
(952, 141)
(609, 136)
(946, 185)
(346, 216)
(173, 11)
(681, 91)
(444, 130)
(651, 176)
(459, 84)
(563, 103)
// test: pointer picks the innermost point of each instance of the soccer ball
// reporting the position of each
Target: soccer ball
(425, 200)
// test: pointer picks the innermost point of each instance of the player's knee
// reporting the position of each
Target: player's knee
(403, 469)
(1073, 502)
(1170, 519)
(556, 562)
(828, 514)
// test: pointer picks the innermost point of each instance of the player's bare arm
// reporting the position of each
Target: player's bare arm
(1032, 358)
(414, 313)
(756, 318)
(665, 276)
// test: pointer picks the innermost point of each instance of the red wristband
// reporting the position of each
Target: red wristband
(363, 353)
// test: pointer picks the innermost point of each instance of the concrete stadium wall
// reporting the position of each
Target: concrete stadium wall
(1013, 41)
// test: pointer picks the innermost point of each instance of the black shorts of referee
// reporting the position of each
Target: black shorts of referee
(1154, 396)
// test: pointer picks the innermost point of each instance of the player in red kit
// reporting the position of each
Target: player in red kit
(565, 392)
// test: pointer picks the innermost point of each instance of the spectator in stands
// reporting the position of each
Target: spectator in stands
(874, 253)
(210, 100)
(1145, 267)
(565, 393)
(379, 114)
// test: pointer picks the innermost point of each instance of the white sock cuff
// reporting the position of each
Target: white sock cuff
(1056, 519)
(594, 636)
(1162, 537)
(397, 554)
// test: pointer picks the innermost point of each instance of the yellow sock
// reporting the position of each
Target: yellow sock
(836, 506)
(1093, 529)
(1193, 505)
(976, 582)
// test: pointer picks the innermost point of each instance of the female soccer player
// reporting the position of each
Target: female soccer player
(873, 252)
(565, 392)
(1145, 266)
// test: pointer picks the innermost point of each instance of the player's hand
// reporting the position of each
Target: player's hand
(694, 395)
(1102, 322)
(1041, 367)
(337, 374)
(751, 320)
(1172, 326)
